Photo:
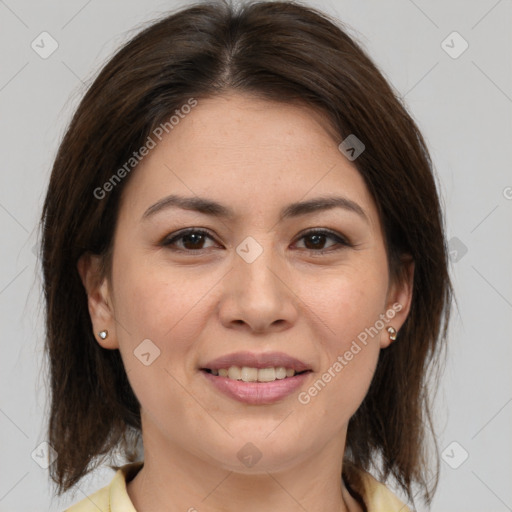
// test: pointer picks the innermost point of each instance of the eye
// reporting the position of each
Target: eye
(317, 238)
(192, 239)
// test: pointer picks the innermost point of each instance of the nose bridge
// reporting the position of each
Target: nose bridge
(256, 263)
(256, 293)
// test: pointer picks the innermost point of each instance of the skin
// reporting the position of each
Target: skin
(257, 157)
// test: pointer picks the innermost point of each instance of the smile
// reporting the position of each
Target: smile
(256, 391)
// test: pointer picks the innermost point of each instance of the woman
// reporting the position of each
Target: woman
(245, 269)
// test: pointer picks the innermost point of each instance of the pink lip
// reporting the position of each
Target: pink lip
(256, 393)
(253, 360)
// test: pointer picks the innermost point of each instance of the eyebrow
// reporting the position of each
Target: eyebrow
(215, 209)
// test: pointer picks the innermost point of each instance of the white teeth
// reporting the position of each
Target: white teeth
(266, 374)
(248, 374)
(281, 372)
(234, 373)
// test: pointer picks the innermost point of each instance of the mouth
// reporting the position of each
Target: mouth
(256, 378)
(259, 375)
(244, 384)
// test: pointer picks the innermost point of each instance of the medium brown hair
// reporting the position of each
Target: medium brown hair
(280, 51)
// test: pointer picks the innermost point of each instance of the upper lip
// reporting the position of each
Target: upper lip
(254, 360)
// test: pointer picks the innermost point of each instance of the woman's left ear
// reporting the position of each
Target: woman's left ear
(98, 300)
(398, 303)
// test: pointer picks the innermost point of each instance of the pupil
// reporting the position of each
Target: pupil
(194, 237)
(317, 239)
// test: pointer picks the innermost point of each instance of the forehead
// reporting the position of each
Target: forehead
(254, 154)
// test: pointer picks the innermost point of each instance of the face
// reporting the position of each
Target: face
(189, 286)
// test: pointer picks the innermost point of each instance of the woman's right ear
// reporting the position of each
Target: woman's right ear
(98, 299)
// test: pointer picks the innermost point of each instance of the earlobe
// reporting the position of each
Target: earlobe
(398, 304)
(98, 300)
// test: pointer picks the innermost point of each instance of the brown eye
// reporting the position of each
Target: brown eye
(190, 240)
(315, 241)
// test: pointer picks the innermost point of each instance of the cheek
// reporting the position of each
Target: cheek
(345, 302)
(153, 301)
(150, 305)
(347, 313)
(163, 306)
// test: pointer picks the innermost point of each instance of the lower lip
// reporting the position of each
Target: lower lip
(257, 393)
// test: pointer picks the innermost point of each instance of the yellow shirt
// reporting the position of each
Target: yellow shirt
(114, 497)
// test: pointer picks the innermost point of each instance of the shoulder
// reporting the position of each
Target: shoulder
(375, 495)
(113, 497)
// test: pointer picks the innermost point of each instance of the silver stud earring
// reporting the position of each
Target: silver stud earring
(103, 334)
(392, 333)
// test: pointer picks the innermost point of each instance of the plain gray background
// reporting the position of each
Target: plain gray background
(462, 103)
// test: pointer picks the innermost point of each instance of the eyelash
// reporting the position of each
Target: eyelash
(343, 242)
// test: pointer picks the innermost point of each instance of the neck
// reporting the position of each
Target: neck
(173, 480)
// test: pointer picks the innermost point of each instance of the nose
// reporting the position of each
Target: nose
(258, 296)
